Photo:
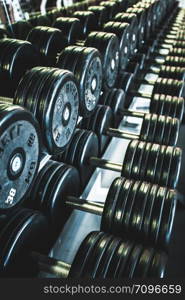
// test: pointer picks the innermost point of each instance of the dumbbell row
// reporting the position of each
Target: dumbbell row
(143, 211)
(100, 255)
(160, 104)
(155, 128)
(150, 162)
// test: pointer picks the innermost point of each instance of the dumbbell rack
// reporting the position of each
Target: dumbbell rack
(81, 223)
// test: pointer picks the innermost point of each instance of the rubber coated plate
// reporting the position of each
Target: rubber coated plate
(110, 204)
(157, 212)
(84, 252)
(151, 196)
(152, 163)
(20, 151)
(167, 220)
(175, 167)
(121, 205)
(128, 159)
(136, 166)
(26, 230)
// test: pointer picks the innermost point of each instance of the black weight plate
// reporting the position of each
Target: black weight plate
(51, 192)
(44, 182)
(35, 203)
(128, 159)
(156, 217)
(152, 127)
(151, 196)
(19, 98)
(166, 103)
(144, 161)
(142, 267)
(36, 92)
(107, 220)
(136, 166)
(180, 108)
(100, 13)
(87, 20)
(133, 261)
(167, 220)
(35, 87)
(84, 252)
(63, 102)
(111, 267)
(174, 132)
(104, 121)
(123, 255)
(122, 31)
(106, 261)
(117, 102)
(162, 109)
(159, 130)
(111, 58)
(88, 72)
(138, 212)
(98, 253)
(70, 27)
(167, 139)
(175, 167)
(130, 206)
(73, 53)
(93, 121)
(154, 104)
(119, 216)
(152, 163)
(26, 230)
(167, 161)
(160, 164)
(20, 154)
(116, 229)
(145, 128)
(87, 147)
(70, 152)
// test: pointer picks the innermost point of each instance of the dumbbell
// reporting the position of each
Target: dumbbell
(100, 255)
(140, 210)
(84, 62)
(153, 163)
(52, 96)
(106, 43)
(161, 85)
(39, 20)
(56, 180)
(101, 15)
(159, 104)
(140, 13)
(157, 129)
(19, 30)
(16, 57)
(112, 8)
(87, 20)
(131, 19)
(122, 30)
(19, 154)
